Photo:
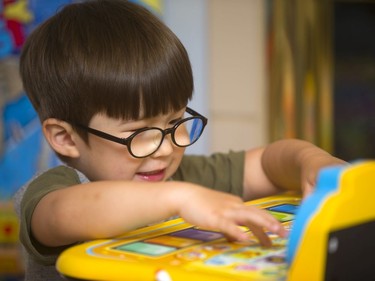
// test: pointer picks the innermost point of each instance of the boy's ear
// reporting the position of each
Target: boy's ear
(60, 135)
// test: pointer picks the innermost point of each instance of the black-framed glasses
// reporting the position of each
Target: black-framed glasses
(146, 141)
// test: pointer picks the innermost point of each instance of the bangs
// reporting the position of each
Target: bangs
(144, 69)
(152, 88)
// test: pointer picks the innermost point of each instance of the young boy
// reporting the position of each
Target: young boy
(111, 84)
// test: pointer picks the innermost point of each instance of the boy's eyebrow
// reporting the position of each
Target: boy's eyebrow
(132, 125)
(176, 119)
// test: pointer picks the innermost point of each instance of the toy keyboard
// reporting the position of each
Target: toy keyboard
(176, 250)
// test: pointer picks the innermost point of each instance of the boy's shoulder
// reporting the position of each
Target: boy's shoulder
(47, 181)
(59, 175)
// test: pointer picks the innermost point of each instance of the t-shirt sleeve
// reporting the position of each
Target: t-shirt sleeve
(220, 171)
(53, 179)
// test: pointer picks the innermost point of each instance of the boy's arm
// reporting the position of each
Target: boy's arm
(284, 165)
(99, 210)
(107, 209)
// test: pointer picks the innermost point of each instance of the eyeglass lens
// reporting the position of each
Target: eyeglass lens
(148, 141)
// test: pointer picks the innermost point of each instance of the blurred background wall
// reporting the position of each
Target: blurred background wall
(225, 41)
(268, 69)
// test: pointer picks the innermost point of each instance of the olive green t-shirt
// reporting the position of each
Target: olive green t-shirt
(219, 171)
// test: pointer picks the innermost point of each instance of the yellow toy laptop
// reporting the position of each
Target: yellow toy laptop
(331, 239)
(175, 250)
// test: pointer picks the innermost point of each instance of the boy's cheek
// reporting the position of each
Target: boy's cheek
(177, 158)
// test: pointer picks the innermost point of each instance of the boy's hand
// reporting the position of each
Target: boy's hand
(224, 212)
(311, 168)
(288, 164)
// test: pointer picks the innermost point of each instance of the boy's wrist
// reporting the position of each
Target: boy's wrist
(177, 195)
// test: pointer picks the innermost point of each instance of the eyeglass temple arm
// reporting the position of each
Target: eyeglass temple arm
(102, 134)
(194, 113)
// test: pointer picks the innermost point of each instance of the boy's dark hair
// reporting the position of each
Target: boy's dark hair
(105, 56)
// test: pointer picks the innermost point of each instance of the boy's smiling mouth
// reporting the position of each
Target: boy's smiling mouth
(157, 175)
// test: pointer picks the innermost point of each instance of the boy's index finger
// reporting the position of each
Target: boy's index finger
(263, 238)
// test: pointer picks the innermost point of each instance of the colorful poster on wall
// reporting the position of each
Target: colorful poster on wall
(23, 149)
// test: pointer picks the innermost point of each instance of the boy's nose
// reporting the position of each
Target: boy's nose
(165, 148)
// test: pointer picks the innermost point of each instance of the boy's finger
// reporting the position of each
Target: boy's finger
(261, 218)
(263, 238)
(235, 233)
